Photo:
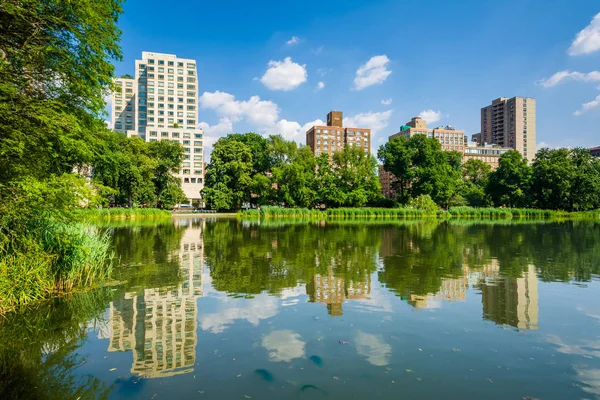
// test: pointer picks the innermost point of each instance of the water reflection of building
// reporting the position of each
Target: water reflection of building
(506, 300)
(159, 326)
(512, 301)
(333, 290)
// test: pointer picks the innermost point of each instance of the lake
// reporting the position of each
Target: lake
(225, 309)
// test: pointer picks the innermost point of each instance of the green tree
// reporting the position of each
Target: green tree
(228, 175)
(423, 168)
(356, 172)
(295, 178)
(169, 157)
(397, 158)
(510, 184)
(260, 148)
(475, 174)
(585, 190)
(552, 178)
(55, 67)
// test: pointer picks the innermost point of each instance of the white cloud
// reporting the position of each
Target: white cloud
(585, 107)
(374, 121)
(561, 76)
(376, 351)
(372, 72)
(294, 40)
(292, 130)
(284, 75)
(386, 102)
(223, 127)
(320, 86)
(231, 310)
(259, 113)
(284, 345)
(588, 40)
(430, 116)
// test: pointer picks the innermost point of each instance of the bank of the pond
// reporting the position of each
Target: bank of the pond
(411, 213)
(120, 213)
(41, 257)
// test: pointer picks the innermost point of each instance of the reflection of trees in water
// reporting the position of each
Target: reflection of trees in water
(148, 256)
(38, 358)
(503, 261)
(248, 259)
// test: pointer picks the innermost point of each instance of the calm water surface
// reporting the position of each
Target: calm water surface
(224, 309)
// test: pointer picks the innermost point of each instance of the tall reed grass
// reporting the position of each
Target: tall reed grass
(120, 213)
(45, 256)
(414, 213)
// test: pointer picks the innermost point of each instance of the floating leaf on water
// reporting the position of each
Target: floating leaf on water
(420, 349)
(248, 397)
(455, 349)
(112, 369)
(409, 371)
(343, 342)
(336, 378)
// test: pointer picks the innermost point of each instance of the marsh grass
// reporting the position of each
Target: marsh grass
(43, 256)
(120, 213)
(415, 213)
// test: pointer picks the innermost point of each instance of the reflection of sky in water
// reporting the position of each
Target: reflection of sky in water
(479, 334)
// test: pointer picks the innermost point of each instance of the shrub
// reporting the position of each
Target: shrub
(423, 202)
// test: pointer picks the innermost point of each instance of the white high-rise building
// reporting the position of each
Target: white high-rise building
(161, 103)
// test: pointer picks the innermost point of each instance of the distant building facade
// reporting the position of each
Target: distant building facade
(510, 123)
(160, 103)
(334, 137)
(450, 138)
(595, 151)
(489, 154)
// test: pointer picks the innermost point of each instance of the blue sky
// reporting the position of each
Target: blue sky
(260, 63)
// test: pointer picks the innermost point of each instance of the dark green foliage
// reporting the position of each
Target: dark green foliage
(421, 167)
(350, 180)
(228, 175)
(55, 68)
(248, 169)
(510, 184)
(566, 179)
(139, 172)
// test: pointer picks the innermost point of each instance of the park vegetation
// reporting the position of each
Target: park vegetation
(248, 169)
(272, 173)
(55, 71)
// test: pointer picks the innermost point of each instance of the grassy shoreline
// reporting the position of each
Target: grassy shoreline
(120, 213)
(411, 213)
(41, 257)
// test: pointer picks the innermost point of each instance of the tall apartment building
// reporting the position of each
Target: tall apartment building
(161, 103)
(510, 123)
(334, 137)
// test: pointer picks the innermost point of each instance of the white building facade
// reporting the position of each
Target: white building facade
(161, 103)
